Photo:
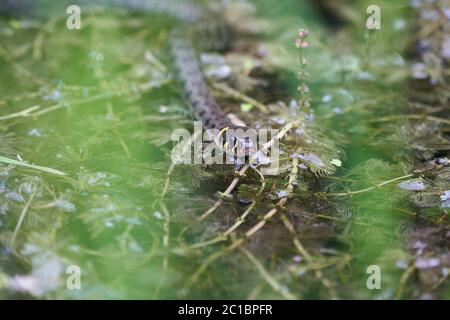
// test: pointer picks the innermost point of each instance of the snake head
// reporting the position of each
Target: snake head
(238, 141)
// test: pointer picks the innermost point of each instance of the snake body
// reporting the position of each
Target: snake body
(204, 30)
(200, 29)
(209, 33)
(197, 93)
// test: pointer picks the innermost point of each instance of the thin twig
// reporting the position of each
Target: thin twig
(298, 245)
(235, 94)
(423, 117)
(20, 221)
(19, 68)
(401, 287)
(18, 114)
(349, 193)
(21, 97)
(225, 194)
(282, 290)
(415, 173)
(38, 42)
(31, 166)
(252, 231)
(224, 236)
(244, 169)
(166, 245)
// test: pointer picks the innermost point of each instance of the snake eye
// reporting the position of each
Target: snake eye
(239, 144)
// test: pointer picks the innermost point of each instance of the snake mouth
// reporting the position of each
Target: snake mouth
(238, 142)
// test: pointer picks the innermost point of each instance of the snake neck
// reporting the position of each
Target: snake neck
(200, 30)
(195, 89)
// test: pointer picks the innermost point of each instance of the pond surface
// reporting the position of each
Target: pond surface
(99, 104)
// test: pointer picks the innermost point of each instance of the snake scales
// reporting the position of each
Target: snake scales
(210, 33)
(203, 30)
(200, 28)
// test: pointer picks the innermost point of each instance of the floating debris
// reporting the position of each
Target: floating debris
(158, 215)
(427, 263)
(327, 98)
(34, 132)
(134, 247)
(300, 272)
(109, 207)
(416, 3)
(399, 24)
(300, 131)
(216, 66)
(279, 120)
(109, 223)
(443, 161)
(419, 71)
(432, 15)
(96, 59)
(412, 185)
(134, 221)
(14, 196)
(29, 186)
(261, 158)
(401, 264)
(74, 248)
(282, 194)
(218, 72)
(208, 58)
(30, 249)
(64, 205)
(310, 157)
(445, 198)
(293, 104)
(55, 95)
(445, 52)
(98, 179)
(2, 187)
(446, 12)
(303, 166)
(337, 110)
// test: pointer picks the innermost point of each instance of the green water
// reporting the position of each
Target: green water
(98, 134)
(108, 102)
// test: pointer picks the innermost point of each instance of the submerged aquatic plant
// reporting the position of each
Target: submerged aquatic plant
(31, 166)
(133, 221)
(302, 44)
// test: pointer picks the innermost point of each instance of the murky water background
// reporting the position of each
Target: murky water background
(104, 103)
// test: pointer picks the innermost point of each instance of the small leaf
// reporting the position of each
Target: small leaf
(246, 107)
(336, 162)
